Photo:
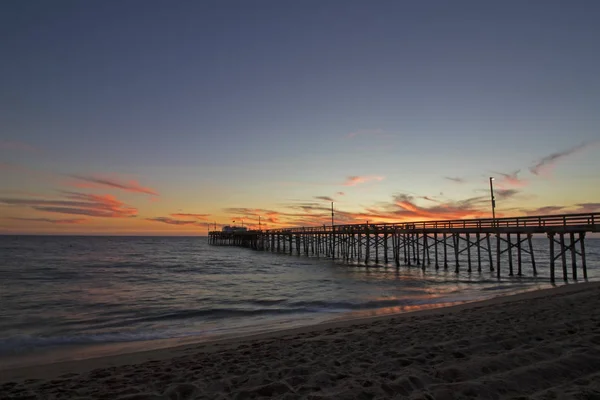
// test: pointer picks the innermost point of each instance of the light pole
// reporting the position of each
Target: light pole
(493, 201)
(332, 215)
(332, 235)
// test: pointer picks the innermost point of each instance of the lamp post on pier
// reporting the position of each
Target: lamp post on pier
(493, 201)
(332, 235)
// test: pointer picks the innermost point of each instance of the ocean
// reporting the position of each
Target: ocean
(74, 296)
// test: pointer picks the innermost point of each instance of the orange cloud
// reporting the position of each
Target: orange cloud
(114, 183)
(75, 203)
(356, 180)
(51, 220)
(190, 215)
(401, 208)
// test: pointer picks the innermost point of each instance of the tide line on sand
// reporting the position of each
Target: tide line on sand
(542, 344)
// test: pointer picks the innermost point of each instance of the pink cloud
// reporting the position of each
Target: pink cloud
(510, 180)
(340, 193)
(545, 165)
(357, 180)
(587, 208)
(114, 183)
(75, 203)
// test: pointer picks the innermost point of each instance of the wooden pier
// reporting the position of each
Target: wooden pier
(501, 244)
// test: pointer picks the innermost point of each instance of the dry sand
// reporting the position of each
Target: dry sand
(543, 344)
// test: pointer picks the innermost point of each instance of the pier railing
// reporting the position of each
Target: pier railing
(438, 242)
(539, 221)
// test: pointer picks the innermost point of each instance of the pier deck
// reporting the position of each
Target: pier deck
(440, 243)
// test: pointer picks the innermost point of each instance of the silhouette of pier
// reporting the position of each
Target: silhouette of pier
(497, 244)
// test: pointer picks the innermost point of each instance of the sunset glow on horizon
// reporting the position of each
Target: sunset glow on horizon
(159, 118)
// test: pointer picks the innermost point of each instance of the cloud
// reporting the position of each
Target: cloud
(172, 221)
(357, 180)
(510, 180)
(104, 182)
(75, 203)
(340, 193)
(455, 179)
(51, 220)
(406, 208)
(587, 208)
(190, 215)
(429, 199)
(506, 193)
(324, 198)
(403, 207)
(17, 146)
(544, 210)
(545, 165)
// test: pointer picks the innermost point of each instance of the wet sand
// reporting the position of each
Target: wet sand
(543, 344)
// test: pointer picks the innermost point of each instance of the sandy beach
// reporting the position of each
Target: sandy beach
(543, 344)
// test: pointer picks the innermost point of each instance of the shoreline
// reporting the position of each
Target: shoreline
(73, 353)
(137, 353)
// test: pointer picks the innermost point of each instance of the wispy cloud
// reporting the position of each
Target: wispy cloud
(114, 183)
(588, 207)
(17, 146)
(75, 203)
(506, 193)
(545, 165)
(68, 221)
(190, 215)
(507, 180)
(173, 221)
(455, 179)
(357, 180)
(429, 199)
(544, 210)
(340, 193)
(324, 198)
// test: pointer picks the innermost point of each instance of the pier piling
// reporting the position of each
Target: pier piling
(411, 242)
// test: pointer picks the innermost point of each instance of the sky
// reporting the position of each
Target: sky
(146, 117)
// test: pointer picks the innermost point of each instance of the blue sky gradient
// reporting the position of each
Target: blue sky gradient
(259, 104)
